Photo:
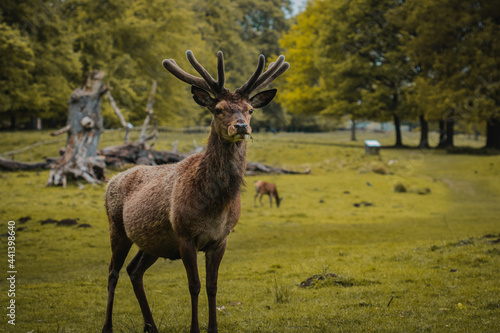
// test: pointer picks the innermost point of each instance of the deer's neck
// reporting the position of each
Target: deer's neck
(221, 171)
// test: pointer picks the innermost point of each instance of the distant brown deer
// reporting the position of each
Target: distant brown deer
(173, 211)
(270, 189)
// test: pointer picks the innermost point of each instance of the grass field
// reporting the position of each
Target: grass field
(375, 260)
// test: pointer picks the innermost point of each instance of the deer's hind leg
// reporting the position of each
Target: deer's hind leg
(120, 246)
(141, 262)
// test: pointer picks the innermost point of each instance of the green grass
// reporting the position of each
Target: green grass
(406, 263)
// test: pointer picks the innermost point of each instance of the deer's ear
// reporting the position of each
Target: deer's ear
(202, 97)
(263, 98)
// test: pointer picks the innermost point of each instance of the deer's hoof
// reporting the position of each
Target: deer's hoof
(107, 329)
(148, 328)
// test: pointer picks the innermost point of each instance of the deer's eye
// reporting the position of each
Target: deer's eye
(218, 110)
(250, 111)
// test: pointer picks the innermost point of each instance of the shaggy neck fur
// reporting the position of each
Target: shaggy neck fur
(220, 173)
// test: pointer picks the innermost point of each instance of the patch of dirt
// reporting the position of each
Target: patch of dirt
(313, 279)
(363, 203)
(400, 188)
(67, 222)
(24, 219)
(331, 280)
(48, 221)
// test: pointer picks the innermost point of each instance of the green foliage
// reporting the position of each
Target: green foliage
(456, 52)
(57, 42)
(350, 61)
(379, 59)
(48, 82)
(16, 61)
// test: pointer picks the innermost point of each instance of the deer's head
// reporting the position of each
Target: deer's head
(231, 110)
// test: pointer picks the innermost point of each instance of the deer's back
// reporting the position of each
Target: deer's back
(138, 202)
(265, 188)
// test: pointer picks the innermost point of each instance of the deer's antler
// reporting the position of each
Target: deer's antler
(206, 81)
(260, 80)
(257, 80)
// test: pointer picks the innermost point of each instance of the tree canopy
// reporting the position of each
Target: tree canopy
(404, 60)
(56, 43)
(388, 60)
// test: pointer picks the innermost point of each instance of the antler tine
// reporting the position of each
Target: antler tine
(182, 75)
(214, 86)
(282, 69)
(271, 69)
(247, 86)
(221, 76)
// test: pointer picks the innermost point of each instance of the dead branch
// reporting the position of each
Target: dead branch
(149, 113)
(61, 131)
(115, 107)
(10, 165)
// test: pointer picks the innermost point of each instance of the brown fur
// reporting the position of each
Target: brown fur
(173, 211)
(270, 189)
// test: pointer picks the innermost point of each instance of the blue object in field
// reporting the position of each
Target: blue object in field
(372, 147)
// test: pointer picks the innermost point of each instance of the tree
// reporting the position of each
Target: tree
(56, 66)
(80, 158)
(128, 41)
(17, 63)
(263, 23)
(456, 52)
(351, 62)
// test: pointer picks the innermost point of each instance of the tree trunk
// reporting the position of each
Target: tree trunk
(353, 130)
(450, 131)
(442, 134)
(13, 121)
(397, 127)
(424, 132)
(10, 165)
(80, 157)
(493, 133)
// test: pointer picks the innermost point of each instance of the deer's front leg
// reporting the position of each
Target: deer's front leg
(188, 254)
(213, 259)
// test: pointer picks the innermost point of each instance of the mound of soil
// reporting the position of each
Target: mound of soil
(48, 221)
(24, 219)
(315, 278)
(67, 222)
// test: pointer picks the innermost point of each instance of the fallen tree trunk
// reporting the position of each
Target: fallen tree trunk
(10, 165)
(256, 168)
(136, 153)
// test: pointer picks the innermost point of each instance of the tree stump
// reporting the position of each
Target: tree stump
(80, 157)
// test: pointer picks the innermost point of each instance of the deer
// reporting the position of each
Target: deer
(270, 189)
(174, 211)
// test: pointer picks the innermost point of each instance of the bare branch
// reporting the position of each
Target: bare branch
(149, 113)
(112, 102)
(61, 131)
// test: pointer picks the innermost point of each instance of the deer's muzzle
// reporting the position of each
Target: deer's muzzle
(240, 131)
